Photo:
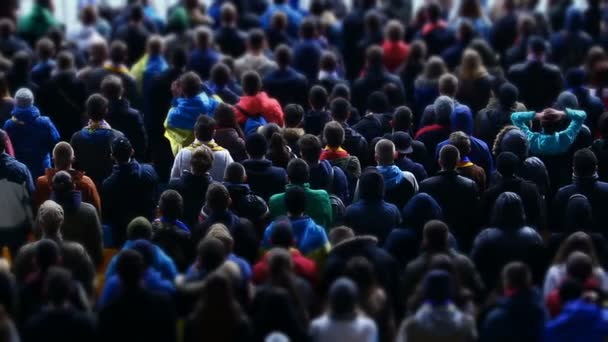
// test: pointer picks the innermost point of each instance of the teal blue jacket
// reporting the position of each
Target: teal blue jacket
(550, 144)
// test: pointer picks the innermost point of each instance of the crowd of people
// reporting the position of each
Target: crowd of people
(252, 170)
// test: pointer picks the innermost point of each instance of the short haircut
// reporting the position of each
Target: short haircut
(65, 60)
(340, 90)
(139, 228)
(394, 31)
(191, 84)
(295, 200)
(374, 55)
(111, 87)
(211, 253)
(340, 109)
(204, 128)
(235, 173)
(310, 148)
(403, 118)
(282, 234)
(585, 162)
(436, 235)
(433, 11)
(220, 74)
(308, 28)
(201, 160)
(537, 45)
(256, 39)
(46, 254)
(203, 37)
(171, 204)
(385, 152)
(333, 133)
(329, 61)
(97, 106)
(449, 157)
(507, 95)
(45, 48)
(462, 142)
(63, 182)
(317, 96)
(217, 197)
(517, 276)
(122, 150)
(294, 113)
(58, 285)
(298, 171)
(63, 155)
(50, 217)
(443, 106)
(224, 115)
(146, 250)
(371, 185)
(256, 145)
(448, 85)
(228, 13)
(221, 232)
(252, 83)
(118, 52)
(283, 55)
(507, 164)
(155, 45)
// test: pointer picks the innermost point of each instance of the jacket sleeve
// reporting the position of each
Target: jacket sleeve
(520, 120)
(567, 136)
(93, 195)
(275, 113)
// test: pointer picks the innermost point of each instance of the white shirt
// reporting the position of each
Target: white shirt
(360, 329)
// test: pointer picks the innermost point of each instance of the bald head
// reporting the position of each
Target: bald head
(63, 156)
(385, 152)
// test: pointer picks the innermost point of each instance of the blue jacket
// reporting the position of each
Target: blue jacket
(33, 137)
(310, 238)
(162, 263)
(372, 217)
(320, 177)
(14, 171)
(550, 144)
(294, 18)
(579, 321)
(306, 58)
(201, 61)
(152, 281)
(406, 164)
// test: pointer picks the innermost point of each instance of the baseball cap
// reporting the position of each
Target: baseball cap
(403, 142)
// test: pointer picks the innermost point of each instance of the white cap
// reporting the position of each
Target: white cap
(24, 97)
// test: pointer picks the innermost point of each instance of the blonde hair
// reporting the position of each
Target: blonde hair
(471, 66)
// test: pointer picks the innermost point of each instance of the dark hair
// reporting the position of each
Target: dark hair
(58, 285)
(282, 234)
(402, 119)
(436, 235)
(220, 74)
(130, 268)
(97, 107)
(602, 125)
(585, 162)
(371, 185)
(122, 149)
(136, 13)
(62, 182)
(45, 48)
(433, 12)
(225, 117)
(256, 145)
(310, 148)
(449, 157)
(203, 37)
(228, 13)
(179, 57)
(508, 212)
(317, 96)
(111, 87)
(448, 85)
(507, 95)
(217, 197)
(579, 266)
(377, 102)
(204, 128)
(118, 51)
(308, 29)
(340, 90)
(374, 55)
(252, 83)
(394, 31)
(517, 276)
(46, 254)
(333, 133)
(139, 228)
(283, 55)
(279, 154)
(294, 113)
(65, 60)
(537, 45)
(171, 204)
(578, 241)
(146, 250)
(235, 173)
(211, 253)
(328, 61)
(191, 84)
(340, 109)
(256, 39)
(295, 200)
(298, 171)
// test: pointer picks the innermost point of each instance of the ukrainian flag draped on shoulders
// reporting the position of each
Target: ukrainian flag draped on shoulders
(182, 116)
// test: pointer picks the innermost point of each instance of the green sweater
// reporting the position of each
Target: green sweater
(318, 206)
(36, 23)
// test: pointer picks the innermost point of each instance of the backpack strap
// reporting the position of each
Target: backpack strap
(332, 175)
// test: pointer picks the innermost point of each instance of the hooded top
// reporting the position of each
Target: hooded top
(578, 215)
(259, 104)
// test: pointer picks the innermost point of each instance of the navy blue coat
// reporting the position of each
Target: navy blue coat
(264, 179)
(372, 217)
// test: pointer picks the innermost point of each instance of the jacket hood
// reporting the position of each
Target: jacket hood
(257, 165)
(355, 245)
(26, 114)
(50, 173)
(514, 141)
(70, 201)
(578, 213)
(443, 320)
(256, 104)
(461, 119)
(574, 19)
(392, 175)
(301, 224)
(419, 210)
(508, 212)
(238, 189)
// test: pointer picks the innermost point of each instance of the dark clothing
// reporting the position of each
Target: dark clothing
(539, 83)
(63, 98)
(519, 317)
(92, 152)
(372, 80)
(246, 242)
(600, 149)
(202, 60)
(95, 77)
(231, 41)
(321, 178)
(287, 86)
(592, 106)
(504, 33)
(431, 136)
(307, 57)
(595, 191)
(175, 240)
(136, 37)
(354, 143)
(495, 247)
(13, 44)
(569, 49)
(352, 31)
(437, 37)
(15, 172)
(314, 121)
(264, 179)
(138, 315)
(372, 217)
(247, 205)
(130, 191)
(475, 93)
(122, 117)
(458, 197)
(229, 139)
(599, 243)
(406, 164)
(528, 192)
(193, 190)
(490, 121)
(60, 325)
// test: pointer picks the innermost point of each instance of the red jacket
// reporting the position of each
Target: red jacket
(304, 267)
(262, 104)
(395, 54)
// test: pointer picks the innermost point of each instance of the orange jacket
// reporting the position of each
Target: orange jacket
(83, 183)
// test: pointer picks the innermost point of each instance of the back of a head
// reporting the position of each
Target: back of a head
(65, 61)
(566, 100)
(252, 83)
(62, 182)
(155, 45)
(235, 173)
(585, 163)
(97, 107)
(279, 262)
(171, 205)
(7, 27)
(333, 134)
(111, 87)
(377, 102)
(204, 128)
(438, 287)
(118, 52)
(435, 234)
(58, 285)
(310, 148)
(221, 232)
(433, 12)
(256, 145)
(403, 119)
(317, 96)
(122, 150)
(50, 217)
(63, 155)
(45, 48)
(374, 56)
(462, 142)
(220, 74)
(201, 160)
(343, 296)
(340, 109)
(449, 156)
(228, 13)
(579, 266)
(211, 253)
(282, 234)
(283, 55)
(448, 85)
(371, 185)
(443, 106)
(190, 83)
(507, 95)
(295, 200)
(217, 197)
(508, 212)
(385, 152)
(394, 31)
(537, 46)
(294, 113)
(298, 171)
(340, 91)
(434, 68)
(339, 234)
(256, 40)
(507, 164)
(328, 62)
(130, 268)
(203, 37)
(418, 51)
(47, 254)
(139, 228)
(308, 29)
(516, 276)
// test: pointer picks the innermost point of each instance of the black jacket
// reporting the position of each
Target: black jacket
(354, 143)
(231, 41)
(264, 179)
(458, 197)
(373, 80)
(595, 191)
(534, 205)
(193, 190)
(129, 121)
(287, 86)
(63, 324)
(539, 83)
